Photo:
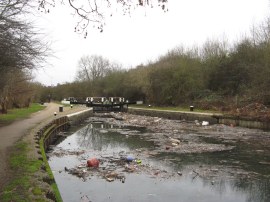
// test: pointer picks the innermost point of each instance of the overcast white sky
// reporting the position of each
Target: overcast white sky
(145, 35)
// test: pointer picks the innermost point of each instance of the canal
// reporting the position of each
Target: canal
(153, 159)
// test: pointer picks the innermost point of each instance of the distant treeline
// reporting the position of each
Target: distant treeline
(216, 75)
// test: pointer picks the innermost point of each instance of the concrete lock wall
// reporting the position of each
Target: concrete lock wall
(243, 122)
(48, 134)
(78, 117)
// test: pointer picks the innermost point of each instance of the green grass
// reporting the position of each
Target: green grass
(15, 114)
(16, 189)
(184, 109)
(20, 161)
(22, 168)
(22, 187)
(48, 169)
(37, 191)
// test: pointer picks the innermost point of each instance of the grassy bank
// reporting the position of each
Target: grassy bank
(183, 109)
(27, 170)
(22, 187)
(15, 114)
(57, 195)
(26, 183)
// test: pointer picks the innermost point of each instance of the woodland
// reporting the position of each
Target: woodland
(217, 75)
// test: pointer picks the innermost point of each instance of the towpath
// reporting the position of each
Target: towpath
(10, 134)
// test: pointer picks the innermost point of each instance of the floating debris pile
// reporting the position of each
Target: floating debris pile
(167, 135)
(115, 168)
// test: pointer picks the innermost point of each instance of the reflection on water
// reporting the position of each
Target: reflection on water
(222, 176)
(105, 137)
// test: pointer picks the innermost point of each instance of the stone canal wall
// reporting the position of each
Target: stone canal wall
(48, 134)
(212, 118)
(78, 117)
(244, 122)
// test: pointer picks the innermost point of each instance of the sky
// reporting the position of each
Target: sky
(145, 35)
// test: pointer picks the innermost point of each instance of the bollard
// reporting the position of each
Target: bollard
(55, 113)
(61, 109)
(71, 106)
(191, 108)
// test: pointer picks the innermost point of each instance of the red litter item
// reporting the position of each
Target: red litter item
(94, 162)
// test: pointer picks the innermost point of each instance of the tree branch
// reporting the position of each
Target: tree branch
(92, 11)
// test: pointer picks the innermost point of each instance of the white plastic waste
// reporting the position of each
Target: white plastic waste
(205, 123)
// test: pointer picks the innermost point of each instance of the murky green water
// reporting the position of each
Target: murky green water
(233, 176)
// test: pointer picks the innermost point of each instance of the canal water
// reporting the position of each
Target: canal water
(131, 168)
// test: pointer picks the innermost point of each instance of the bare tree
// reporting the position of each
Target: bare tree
(93, 11)
(20, 49)
(261, 34)
(20, 46)
(10, 9)
(93, 67)
(214, 48)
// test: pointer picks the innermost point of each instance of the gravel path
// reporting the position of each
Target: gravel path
(10, 134)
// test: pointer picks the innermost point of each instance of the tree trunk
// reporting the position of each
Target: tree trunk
(4, 105)
(28, 101)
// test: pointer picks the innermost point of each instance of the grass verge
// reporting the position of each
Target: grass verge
(15, 114)
(26, 183)
(21, 186)
(184, 109)
(58, 197)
